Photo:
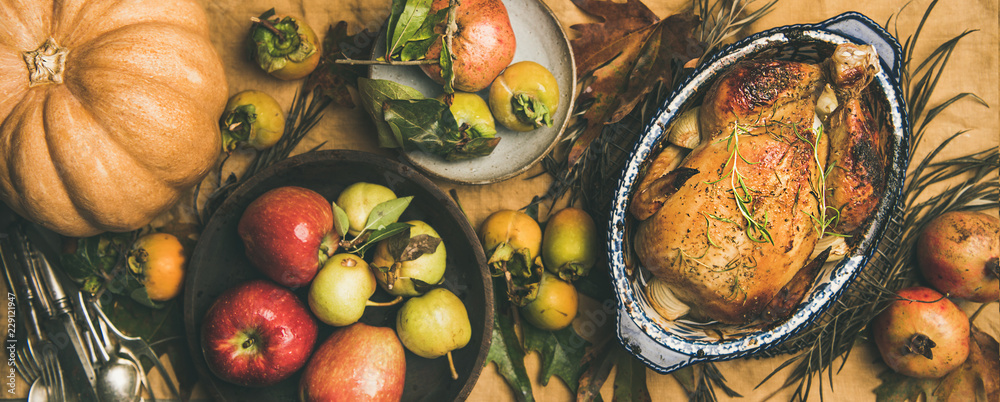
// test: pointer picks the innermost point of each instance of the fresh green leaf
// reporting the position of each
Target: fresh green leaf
(506, 352)
(386, 213)
(561, 353)
(379, 235)
(373, 94)
(420, 124)
(341, 223)
(630, 379)
(411, 18)
(140, 295)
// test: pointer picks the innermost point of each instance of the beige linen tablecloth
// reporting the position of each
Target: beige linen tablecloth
(973, 68)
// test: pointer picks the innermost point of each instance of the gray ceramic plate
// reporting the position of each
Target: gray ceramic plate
(541, 39)
(668, 345)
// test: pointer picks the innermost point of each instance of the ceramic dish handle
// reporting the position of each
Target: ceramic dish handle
(662, 360)
(862, 28)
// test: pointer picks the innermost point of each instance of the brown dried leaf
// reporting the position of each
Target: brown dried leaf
(620, 72)
(333, 79)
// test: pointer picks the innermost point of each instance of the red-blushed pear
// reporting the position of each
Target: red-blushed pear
(482, 47)
(288, 234)
(358, 362)
(257, 334)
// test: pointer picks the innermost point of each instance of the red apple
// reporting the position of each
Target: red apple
(356, 363)
(482, 47)
(288, 234)
(958, 252)
(257, 334)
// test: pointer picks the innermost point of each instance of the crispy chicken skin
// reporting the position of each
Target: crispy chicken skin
(758, 117)
(729, 227)
(857, 146)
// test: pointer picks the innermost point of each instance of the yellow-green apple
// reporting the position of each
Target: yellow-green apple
(483, 44)
(356, 363)
(288, 234)
(257, 334)
(421, 262)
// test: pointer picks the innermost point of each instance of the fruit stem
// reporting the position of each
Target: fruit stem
(270, 27)
(392, 302)
(451, 365)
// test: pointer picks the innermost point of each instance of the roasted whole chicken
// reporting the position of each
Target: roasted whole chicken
(729, 227)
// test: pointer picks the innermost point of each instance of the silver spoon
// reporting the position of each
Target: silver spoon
(117, 378)
(38, 392)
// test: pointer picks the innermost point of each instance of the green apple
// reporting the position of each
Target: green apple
(358, 200)
(397, 275)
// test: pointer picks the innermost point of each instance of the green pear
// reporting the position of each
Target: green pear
(358, 200)
(434, 324)
(340, 291)
(403, 275)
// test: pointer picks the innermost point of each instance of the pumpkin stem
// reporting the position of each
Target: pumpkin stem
(45, 64)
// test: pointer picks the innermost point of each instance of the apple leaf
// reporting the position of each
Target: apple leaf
(561, 353)
(373, 94)
(630, 379)
(376, 236)
(341, 223)
(386, 213)
(974, 380)
(333, 79)
(622, 58)
(506, 352)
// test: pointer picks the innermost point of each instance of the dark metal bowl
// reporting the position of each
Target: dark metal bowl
(668, 345)
(219, 262)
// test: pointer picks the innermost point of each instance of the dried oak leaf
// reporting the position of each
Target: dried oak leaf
(623, 57)
(333, 79)
(978, 379)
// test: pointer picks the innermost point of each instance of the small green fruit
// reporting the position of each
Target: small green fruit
(434, 324)
(570, 244)
(340, 291)
(398, 277)
(555, 306)
(358, 200)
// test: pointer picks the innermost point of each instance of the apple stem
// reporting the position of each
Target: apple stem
(451, 365)
(392, 302)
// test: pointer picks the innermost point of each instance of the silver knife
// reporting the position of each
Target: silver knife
(62, 310)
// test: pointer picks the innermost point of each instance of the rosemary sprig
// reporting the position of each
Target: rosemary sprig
(756, 228)
(821, 220)
(836, 331)
(725, 19)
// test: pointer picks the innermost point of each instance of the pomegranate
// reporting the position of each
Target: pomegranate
(483, 44)
(958, 255)
(923, 334)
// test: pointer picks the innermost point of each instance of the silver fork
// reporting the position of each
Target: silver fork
(46, 351)
(24, 358)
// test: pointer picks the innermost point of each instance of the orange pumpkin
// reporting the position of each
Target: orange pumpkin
(108, 109)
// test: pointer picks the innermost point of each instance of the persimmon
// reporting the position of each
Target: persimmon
(159, 260)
